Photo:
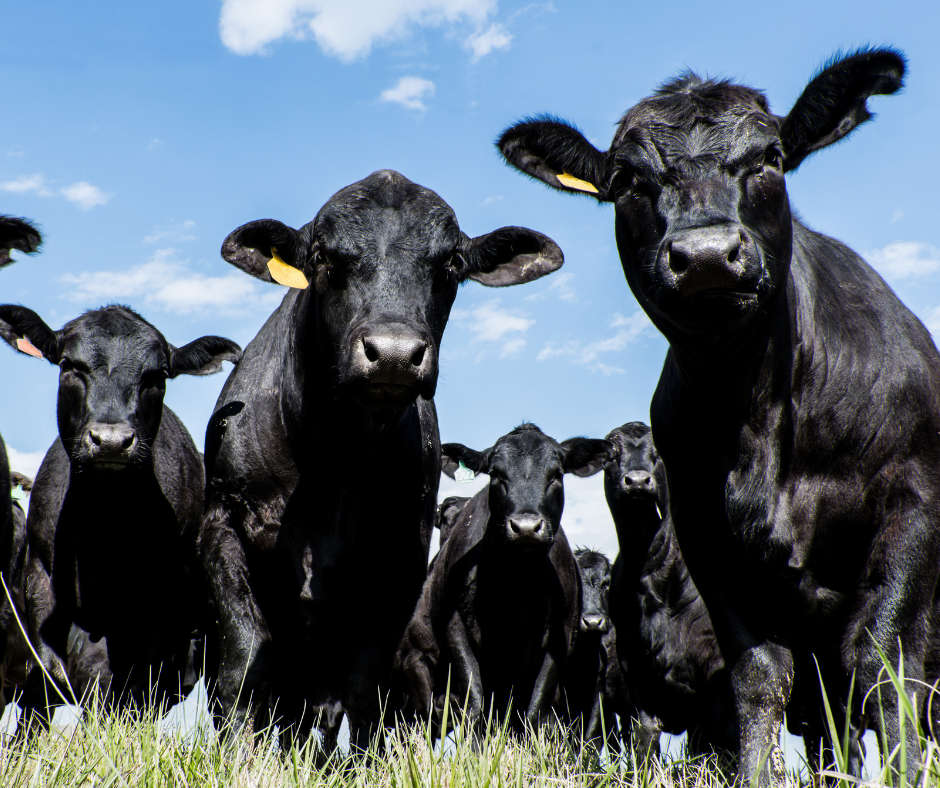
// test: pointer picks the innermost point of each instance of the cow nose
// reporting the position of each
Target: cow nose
(110, 441)
(594, 623)
(637, 482)
(403, 352)
(708, 258)
(526, 526)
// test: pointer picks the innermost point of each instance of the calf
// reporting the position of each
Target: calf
(21, 235)
(677, 677)
(798, 411)
(447, 514)
(585, 703)
(116, 505)
(323, 456)
(500, 608)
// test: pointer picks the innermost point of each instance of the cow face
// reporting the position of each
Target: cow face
(384, 257)
(696, 175)
(113, 368)
(595, 587)
(638, 477)
(526, 468)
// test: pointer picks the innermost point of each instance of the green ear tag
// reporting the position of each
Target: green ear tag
(17, 494)
(463, 474)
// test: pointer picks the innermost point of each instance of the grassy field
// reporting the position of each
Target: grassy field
(110, 748)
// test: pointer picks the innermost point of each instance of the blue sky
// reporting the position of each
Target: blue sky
(139, 135)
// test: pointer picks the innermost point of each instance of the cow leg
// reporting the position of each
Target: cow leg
(543, 693)
(242, 683)
(49, 630)
(466, 681)
(761, 678)
(647, 735)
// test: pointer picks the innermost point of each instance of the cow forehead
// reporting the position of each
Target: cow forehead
(698, 120)
(527, 451)
(386, 207)
(103, 338)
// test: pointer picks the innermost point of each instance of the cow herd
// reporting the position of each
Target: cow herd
(781, 533)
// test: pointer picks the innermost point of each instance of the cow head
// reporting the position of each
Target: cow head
(113, 368)
(384, 257)
(594, 568)
(696, 175)
(638, 478)
(526, 469)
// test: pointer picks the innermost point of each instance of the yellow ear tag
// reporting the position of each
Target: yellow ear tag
(285, 274)
(27, 347)
(576, 183)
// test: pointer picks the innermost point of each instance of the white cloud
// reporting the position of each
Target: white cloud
(27, 183)
(898, 214)
(492, 200)
(171, 285)
(347, 29)
(558, 284)
(906, 260)
(491, 323)
(409, 92)
(26, 462)
(481, 43)
(176, 232)
(16, 153)
(84, 195)
(587, 354)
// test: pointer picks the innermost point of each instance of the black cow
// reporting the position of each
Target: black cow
(447, 515)
(117, 503)
(585, 704)
(676, 678)
(21, 235)
(798, 411)
(323, 455)
(500, 609)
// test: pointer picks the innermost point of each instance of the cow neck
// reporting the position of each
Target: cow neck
(313, 407)
(642, 535)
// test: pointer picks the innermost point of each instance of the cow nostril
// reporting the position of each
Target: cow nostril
(127, 441)
(678, 260)
(95, 438)
(418, 356)
(514, 526)
(733, 254)
(372, 353)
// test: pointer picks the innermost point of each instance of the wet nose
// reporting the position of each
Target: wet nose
(708, 258)
(107, 441)
(393, 356)
(526, 527)
(637, 482)
(594, 623)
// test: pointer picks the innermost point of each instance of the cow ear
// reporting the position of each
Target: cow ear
(834, 103)
(556, 153)
(269, 250)
(26, 332)
(452, 454)
(203, 356)
(509, 256)
(17, 234)
(587, 456)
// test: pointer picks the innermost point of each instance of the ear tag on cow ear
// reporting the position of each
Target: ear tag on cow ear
(27, 347)
(18, 494)
(576, 183)
(463, 474)
(285, 274)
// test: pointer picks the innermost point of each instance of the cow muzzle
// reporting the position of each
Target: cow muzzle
(109, 446)
(391, 366)
(528, 530)
(594, 623)
(719, 262)
(640, 484)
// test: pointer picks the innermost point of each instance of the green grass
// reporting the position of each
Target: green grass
(111, 748)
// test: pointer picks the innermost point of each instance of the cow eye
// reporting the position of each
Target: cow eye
(444, 275)
(154, 379)
(773, 157)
